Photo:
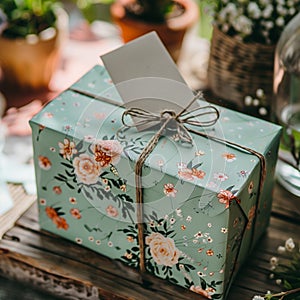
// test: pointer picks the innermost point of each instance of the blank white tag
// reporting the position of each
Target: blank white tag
(146, 77)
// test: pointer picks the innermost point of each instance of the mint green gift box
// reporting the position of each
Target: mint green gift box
(204, 209)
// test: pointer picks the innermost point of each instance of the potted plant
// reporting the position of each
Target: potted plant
(241, 61)
(32, 32)
(94, 10)
(169, 18)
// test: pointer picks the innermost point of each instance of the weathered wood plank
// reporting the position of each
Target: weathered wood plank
(21, 203)
(286, 205)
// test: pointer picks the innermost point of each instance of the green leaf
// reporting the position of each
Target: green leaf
(70, 186)
(190, 164)
(103, 174)
(217, 296)
(79, 145)
(189, 267)
(59, 178)
(203, 283)
(87, 194)
(70, 166)
(69, 173)
(230, 188)
(198, 165)
(115, 183)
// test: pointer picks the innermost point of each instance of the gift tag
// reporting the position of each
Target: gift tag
(146, 77)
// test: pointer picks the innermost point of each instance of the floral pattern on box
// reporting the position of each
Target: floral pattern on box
(201, 210)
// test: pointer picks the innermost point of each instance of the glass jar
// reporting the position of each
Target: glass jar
(287, 105)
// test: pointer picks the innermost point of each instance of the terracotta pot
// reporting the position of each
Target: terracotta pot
(30, 64)
(171, 32)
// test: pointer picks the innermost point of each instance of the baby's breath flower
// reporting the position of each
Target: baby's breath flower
(248, 100)
(259, 93)
(243, 25)
(254, 10)
(268, 25)
(225, 27)
(259, 21)
(231, 8)
(292, 11)
(267, 12)
(282, 10)
(258, 298)
(262, 111)
(274, 261)
(289, 244)
(264, 2)
(281, 249)
(255, 102)
(280, 22)
(286, 272)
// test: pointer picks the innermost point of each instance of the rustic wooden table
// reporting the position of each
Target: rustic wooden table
(51, 264)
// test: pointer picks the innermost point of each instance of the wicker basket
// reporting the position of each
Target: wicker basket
(237, 69)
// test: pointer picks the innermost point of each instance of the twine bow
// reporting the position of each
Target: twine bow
(168, 119)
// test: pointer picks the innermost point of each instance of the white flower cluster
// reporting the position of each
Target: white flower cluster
(290, 270)
(257, 101)
(260, 21)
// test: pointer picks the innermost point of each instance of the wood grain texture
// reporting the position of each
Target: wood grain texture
(22, 202)
(69, 271)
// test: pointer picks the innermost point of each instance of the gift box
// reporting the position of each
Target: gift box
(204, 205)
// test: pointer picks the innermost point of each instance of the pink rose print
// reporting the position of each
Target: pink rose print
(48, 115)
(250, 187)
(226, 197)
(251, 215)
(57, 190)
(112, 211)
(162, 249)
(67, 149)
(190, 174)
(107, 152)
(99, 116)
(86, 169)
(75, 212)
(60, 222)
(220, 176)
(169, 190)
(230, 157)
(44, 162)
(197, 289)
(186, 174)
(198, 173)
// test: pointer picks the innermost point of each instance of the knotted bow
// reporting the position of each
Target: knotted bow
(176, 123)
